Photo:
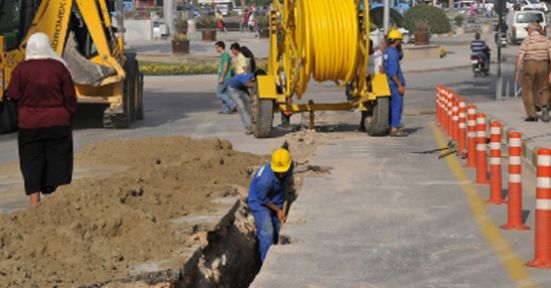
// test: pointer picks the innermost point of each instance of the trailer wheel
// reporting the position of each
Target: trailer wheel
(378, 123)
(263, 115)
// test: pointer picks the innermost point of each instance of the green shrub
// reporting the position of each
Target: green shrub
(177, 69)
(459, 20)
(434, 16)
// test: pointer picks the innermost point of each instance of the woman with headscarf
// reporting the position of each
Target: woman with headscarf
(46, 99)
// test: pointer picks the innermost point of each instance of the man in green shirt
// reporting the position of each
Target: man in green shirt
(224, 76)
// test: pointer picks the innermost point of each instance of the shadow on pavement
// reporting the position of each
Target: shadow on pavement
(525, 214)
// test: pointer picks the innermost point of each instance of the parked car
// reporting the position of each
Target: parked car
(238, 10)
(464, 4)
(223, 8)
(188, 7)
(517, 22)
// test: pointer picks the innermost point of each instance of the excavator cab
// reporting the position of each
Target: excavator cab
(81, 32)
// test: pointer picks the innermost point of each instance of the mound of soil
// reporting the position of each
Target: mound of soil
(98, 229)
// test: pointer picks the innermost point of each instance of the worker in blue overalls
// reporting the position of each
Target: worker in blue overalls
(396, 81)
(266, 198)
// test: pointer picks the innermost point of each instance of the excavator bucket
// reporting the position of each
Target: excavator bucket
(84, 71)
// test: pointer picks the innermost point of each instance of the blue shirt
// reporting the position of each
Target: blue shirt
(265, 187)
(239, 81)
(478, 46)
(391, 63)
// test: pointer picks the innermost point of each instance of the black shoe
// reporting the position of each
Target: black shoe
(398, 133)
(531, 119)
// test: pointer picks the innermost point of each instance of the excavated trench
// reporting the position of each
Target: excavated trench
(228, 257)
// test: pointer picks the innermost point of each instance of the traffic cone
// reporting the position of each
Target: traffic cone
(471, 136)
(481, 161)
(455, 119)
(542, 238)
(438, 105)
(514, 205)
(462, 126)
(449, 104)
(495, 164)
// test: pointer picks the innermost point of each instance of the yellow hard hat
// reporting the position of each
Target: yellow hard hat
(281, 161)
(394, 34)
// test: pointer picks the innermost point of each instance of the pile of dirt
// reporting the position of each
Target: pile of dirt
(97, 229)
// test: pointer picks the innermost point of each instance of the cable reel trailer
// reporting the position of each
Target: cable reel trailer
(326, 40)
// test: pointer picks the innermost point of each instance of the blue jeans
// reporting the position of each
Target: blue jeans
(243, 102)
(221, 92)
(396, 107)
(267, 228)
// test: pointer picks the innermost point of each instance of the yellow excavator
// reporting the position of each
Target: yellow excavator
(83, 33)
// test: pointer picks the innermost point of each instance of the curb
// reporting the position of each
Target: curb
(437, 69)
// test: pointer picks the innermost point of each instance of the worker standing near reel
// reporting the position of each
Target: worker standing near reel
(396, 81)
(267, 196)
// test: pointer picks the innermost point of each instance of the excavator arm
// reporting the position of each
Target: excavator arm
(90, 18)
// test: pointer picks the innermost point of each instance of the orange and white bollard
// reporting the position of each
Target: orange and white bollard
(438, 104)
(462, 127)
(449, 104)
(481, 161)
(542, 238)
(455, 120)
(496, 196)
(471, 136)
(514, 205)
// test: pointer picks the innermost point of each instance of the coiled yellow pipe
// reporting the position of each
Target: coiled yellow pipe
(327, 36)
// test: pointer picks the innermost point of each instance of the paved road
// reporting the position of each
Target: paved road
(385, 217)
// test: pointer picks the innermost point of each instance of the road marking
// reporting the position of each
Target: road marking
(509, 259)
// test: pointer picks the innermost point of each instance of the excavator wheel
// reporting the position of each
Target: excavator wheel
(122, 119)
(139, 101)
(378, 123)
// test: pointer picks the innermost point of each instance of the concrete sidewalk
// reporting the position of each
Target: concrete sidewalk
(511, 113)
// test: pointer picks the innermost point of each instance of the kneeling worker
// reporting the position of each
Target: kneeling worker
(266, 198)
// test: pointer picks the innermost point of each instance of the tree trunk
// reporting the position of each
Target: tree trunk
(243, 4)
(450, 3)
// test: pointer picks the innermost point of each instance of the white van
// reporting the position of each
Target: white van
(464, 4)
(518, 21)
(528, 5)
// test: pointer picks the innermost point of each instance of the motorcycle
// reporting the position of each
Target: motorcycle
(501, 39)
(479, 65)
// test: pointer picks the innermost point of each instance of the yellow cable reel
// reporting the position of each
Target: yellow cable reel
(323, 39)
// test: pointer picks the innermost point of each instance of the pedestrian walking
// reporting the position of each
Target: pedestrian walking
(396, 81)
(224, 76)
(267, 196)
(245, 20)
(220, 21)
(238, 86)
(252, 22)
(472, 11)
(46, 100)
(533, 61)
